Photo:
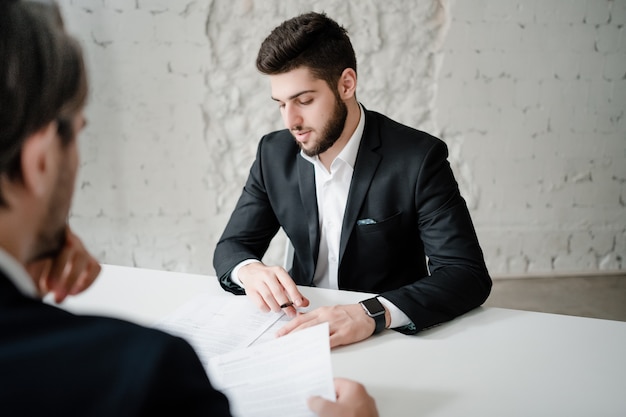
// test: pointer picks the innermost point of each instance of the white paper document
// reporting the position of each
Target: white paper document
(277, 377)
(260, 374)
(219, 324)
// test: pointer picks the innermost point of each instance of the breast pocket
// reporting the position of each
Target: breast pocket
(375, 248)
(372, 225)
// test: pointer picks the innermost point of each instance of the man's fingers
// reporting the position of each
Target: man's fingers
(39, 271)
(271, 288)
(275, 286)
(319, 405)
(290, 311)
(290, 289)
(71, 268)
(87, 277)
(301, 321)
(60, 266)
(257, 300)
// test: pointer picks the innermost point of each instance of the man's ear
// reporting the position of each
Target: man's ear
(347, 84)
(38, 154)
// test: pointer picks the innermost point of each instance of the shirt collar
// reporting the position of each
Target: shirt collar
(349, 152)
(16, 273)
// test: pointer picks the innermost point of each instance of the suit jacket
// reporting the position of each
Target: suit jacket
(403, 205)
(54, 363)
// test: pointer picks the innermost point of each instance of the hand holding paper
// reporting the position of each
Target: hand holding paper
(276, 377)
(352, 400)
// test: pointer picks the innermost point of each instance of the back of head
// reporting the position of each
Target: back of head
(311, 40)
(42, 77)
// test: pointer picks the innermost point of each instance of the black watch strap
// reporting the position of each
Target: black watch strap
(375, 310)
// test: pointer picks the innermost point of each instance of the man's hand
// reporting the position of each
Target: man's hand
(352, 401)
(72, 271)
(347, 323)
(270, 287)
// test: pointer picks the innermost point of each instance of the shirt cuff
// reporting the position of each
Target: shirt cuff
(234, 276)
(398, 318)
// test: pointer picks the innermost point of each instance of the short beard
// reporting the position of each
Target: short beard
(332, 131)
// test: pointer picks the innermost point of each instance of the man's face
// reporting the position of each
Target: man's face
(312, 112)
(52, 233)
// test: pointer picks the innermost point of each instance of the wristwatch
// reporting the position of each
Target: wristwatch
(375, 310)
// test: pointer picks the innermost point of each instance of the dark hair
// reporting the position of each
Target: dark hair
(312, 40)
(42, 78)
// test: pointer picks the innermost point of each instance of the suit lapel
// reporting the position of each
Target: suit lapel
(367, 161)
(9, 293)
(306, 181)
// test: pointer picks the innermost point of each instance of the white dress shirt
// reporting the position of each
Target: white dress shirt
(17, 274)
(332, 189)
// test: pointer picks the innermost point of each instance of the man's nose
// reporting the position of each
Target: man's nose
(292, 117)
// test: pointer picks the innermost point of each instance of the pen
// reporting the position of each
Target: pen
(287, 304)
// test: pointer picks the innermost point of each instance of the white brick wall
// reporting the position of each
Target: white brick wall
(529, 96)
(533, 94)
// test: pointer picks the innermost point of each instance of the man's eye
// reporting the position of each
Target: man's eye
(305, 102)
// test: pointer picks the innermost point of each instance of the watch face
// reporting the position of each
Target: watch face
(373, 306)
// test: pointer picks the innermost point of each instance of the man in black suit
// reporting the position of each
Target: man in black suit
(53, 362)
(363, 200)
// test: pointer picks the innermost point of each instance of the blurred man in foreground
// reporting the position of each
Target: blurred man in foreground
(53, 362)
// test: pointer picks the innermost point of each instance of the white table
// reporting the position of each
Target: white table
(489, 362)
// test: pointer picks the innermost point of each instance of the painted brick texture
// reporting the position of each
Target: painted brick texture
(529, 96)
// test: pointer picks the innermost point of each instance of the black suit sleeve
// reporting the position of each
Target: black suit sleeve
(251, 227)
(458, 280)
(180, 386)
